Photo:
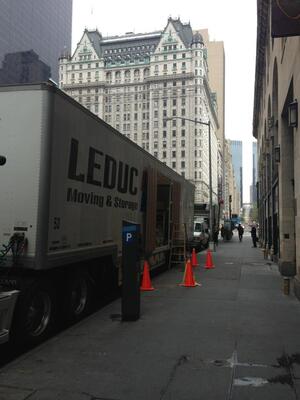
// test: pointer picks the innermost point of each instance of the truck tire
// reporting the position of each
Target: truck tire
(77, 296)
(35, 313)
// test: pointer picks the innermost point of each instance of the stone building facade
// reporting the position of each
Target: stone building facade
(154, 88)
(232, 193)
(277, 88)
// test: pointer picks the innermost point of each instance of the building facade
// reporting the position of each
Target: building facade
(253, 190)
(42, 26)
(275, 126)
(154, 88)
(23, 67)
(216, 77)
(232, 193)
(237, 161)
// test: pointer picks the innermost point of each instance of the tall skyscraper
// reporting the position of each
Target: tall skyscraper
(237, 161)
(154, 88)
(216, 77)
(39, 25)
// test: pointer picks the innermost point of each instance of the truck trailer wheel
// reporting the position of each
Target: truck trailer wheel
(35, 313)
(77, 296)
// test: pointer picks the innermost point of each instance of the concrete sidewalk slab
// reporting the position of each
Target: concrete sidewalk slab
(208, 342)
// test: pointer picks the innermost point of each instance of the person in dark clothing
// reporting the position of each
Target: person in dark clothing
(253, 235)
(216, 236)
(240, 231)
(222, 231)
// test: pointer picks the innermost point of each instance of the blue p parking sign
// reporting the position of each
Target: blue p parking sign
(129, 233)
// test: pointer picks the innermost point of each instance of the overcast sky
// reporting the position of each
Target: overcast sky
(232, 21)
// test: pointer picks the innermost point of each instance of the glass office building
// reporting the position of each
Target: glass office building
(44, 26)
(237, 161)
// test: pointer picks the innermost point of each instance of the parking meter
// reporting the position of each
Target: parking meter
(130, 271)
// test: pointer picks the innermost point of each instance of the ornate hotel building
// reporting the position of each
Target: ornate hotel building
(154, 88)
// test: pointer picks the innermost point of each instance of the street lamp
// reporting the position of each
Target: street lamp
(211, 242)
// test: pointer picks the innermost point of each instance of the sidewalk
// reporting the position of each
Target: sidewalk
(236, 337)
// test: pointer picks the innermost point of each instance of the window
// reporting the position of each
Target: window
(164, 134)
(183, 133)
(164, 154)
(183, 111)
(174, 112)
(182, 153)
(174, 164)
(182, 164)
(173, 143)
(174, 102)
(174, 154)
(183, 55)
(183, 143)
(174, 56)
(174, 134)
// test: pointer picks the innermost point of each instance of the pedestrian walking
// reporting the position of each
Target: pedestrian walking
(216, 236)
(240, 231)
(222, 231)
(253, 235)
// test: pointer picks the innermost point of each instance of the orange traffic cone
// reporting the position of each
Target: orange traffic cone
(209, 263)
(188, 278)
(194, 258)
(146, 282)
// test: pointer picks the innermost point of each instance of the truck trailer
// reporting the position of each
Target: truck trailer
(68, 180)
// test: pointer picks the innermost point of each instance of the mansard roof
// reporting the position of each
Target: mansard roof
(198, 38)
(95, 38)
(134, 46)
(130, 46)
(184, 31)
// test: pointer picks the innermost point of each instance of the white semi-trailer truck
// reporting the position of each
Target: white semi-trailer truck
(67, 181)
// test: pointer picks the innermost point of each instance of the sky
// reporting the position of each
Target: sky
(231, 21)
